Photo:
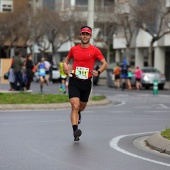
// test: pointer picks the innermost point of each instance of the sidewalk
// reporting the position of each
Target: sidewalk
(52, 106)
(157, 142)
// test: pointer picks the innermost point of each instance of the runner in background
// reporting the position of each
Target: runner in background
(41, 67)
(130, 74)
(138, 74)
(47, 71)
(63, 77)
(124, 74)
(116, 72)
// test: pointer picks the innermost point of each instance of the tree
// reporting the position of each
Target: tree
(13, 26)
(152, 17)
(49, 30)
(124, 21)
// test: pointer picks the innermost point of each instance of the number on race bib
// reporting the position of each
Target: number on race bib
(82, 72)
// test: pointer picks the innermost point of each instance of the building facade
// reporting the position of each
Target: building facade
(141, 43)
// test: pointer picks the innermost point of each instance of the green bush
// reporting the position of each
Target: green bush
(166, 133)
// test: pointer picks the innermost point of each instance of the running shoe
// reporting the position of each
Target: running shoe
(41, 89)
(123, 86)
(64, 91)
(79, 121)
(60, 89)
(77, 134)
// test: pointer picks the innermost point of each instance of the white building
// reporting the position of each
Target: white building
(140, 45)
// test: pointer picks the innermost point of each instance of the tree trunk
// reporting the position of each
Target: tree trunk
(127, 55)
(150, 52)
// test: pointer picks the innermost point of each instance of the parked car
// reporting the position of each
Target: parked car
(148, 76)
(55, 77)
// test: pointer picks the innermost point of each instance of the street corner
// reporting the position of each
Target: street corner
(157, 142)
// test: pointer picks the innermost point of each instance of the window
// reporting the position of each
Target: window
(167, 3)
(81, 2)
(6, 5)
(108, 2)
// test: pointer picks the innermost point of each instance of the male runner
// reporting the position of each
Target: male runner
(124, 74)
(41, 66)
(84, 56)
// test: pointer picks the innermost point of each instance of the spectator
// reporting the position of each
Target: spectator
(11, 78)
(24, 77)
(29, 71)
(17, 66)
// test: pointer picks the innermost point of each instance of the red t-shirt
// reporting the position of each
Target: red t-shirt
(85, 57)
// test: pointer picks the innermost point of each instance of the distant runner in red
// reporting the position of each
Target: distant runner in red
(84, 56)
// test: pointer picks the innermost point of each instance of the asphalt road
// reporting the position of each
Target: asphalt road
(42, 140)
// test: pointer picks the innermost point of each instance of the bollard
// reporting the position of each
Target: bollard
(155, 87)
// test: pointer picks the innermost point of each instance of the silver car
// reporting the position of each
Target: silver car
(148, 76)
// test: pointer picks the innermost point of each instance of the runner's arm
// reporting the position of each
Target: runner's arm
(101, 69)
(66, 65)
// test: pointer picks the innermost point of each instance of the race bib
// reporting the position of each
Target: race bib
(82, 72)
(42, 70)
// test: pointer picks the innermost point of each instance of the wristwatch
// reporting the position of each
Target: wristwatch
(98, 72)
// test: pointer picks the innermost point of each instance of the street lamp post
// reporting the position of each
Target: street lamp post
(90, 18)
(90, 23)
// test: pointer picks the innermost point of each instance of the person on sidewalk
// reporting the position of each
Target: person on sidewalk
(84, 56)
(11, 79)
(42, 73)
(11, 76)
(29, 71)
(17, 66)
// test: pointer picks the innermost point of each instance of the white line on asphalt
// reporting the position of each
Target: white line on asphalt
(158, 111)
(114, 144)
(162, 105)
(122, 103)
(143, 107)
(11, 123)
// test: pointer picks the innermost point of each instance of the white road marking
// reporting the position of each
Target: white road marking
(163, 106)
(122, 103)
(10, 123)
(114, 144)
(158, 111)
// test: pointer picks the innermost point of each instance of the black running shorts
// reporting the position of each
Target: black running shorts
(117, 77)
(79, 88)
(138, 79)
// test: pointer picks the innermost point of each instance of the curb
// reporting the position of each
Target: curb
(51, 106)
(157, 142)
